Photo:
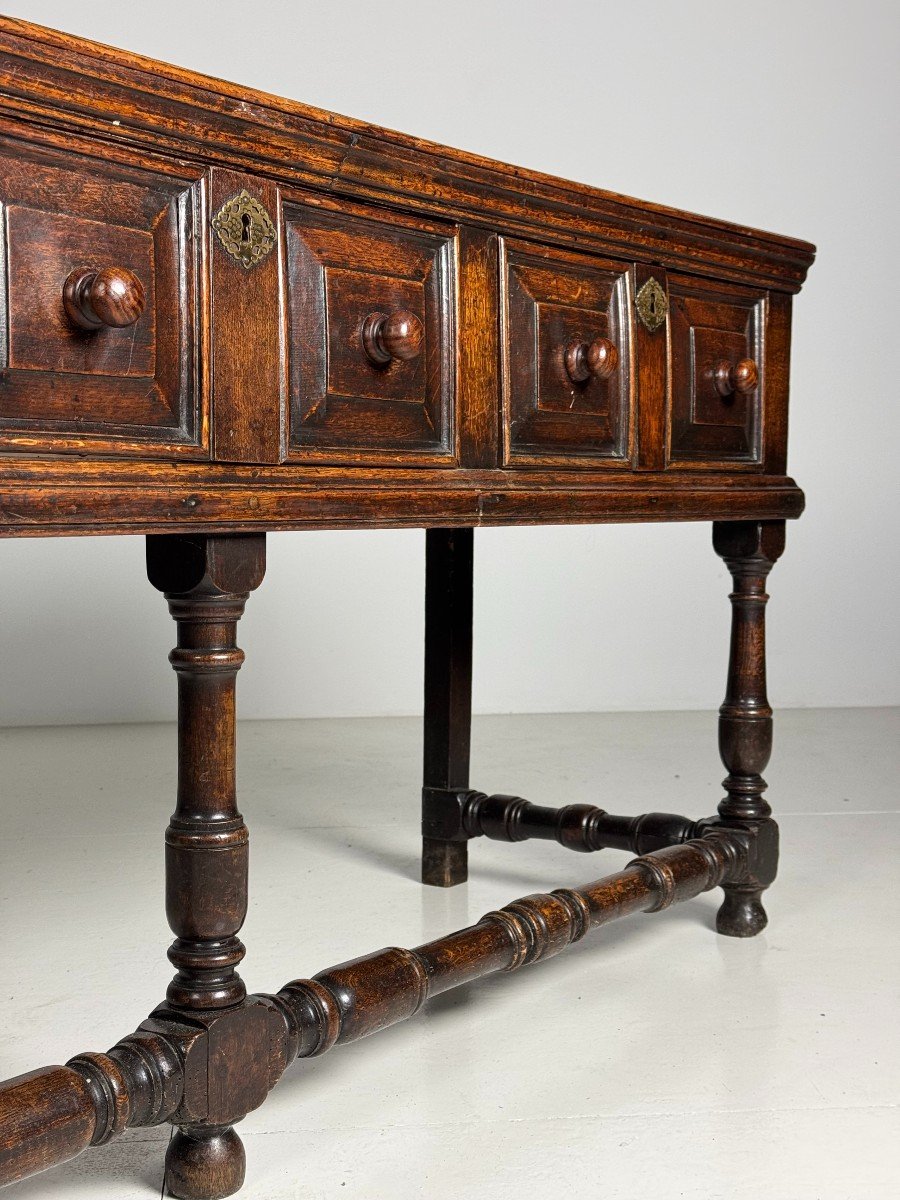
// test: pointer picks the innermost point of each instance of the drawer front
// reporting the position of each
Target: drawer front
(371, 303)
(716, 374)
(567, 378)
(98, 311)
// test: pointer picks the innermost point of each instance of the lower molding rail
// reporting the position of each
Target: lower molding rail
(205, 1071)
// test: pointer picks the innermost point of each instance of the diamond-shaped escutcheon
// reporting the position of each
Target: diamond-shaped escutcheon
(652, 304)
(245, 229)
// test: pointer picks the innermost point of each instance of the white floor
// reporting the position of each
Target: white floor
(652, 1058)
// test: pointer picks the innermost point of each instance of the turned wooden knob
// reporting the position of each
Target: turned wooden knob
(397, 335)
(742, 377)
(113, 297)
(585, 360)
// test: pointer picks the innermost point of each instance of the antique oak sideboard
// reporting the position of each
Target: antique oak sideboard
(223, 314)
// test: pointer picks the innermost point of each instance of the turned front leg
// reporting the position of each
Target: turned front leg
(448, 703)
(750, 550)
(206, 581)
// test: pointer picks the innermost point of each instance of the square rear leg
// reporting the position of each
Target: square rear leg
(448, 700)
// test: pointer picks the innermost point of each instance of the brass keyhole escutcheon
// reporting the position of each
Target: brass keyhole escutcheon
(652, 305)
(245, 229)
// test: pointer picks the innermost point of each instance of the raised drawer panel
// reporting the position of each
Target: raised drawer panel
(568, 397)
(98, 307)
(716, 376)
(372, 328)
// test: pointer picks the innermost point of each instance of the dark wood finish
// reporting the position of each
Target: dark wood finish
(391, 223)
(46, 1118)
(206, 1166)
(368, 994)
(478, 364)
(372, 334)
(51, 1115)
(206, 581)
(750, 550)
(716, 418)
(248, 340)
(202, 1070)
(398, 335)
(738, 377)
(554, 304)
(597, 359)
(575, 826)
(448, 701)
(112, 296)
(349, 328)
(39, 497)
(778, 349)
(123, 376)
(159, 1071)
(651, 354)
(170, 110)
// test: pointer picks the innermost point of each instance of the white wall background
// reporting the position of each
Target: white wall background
(779, 114)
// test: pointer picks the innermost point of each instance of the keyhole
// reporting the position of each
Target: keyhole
(246, 227)
(652, 304)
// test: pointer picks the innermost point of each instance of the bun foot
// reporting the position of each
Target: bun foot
(205, 1163)
(742, 913)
